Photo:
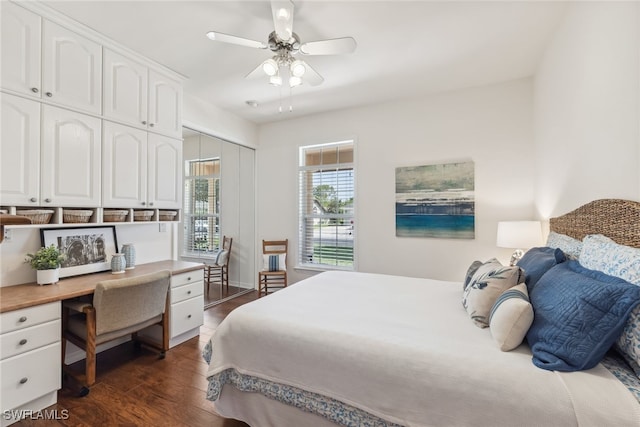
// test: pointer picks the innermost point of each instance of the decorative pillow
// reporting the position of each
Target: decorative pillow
(511, 317)
(579, 314)
(628, 343)
(274, 262)
(221, 257)
(484, 288)
(470, 272)
(603, 254)
(570, 246)
(537, 261)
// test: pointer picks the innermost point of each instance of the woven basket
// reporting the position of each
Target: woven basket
(167, 215)
(37, 216)
(142, 215)
(76, 216)
(115, 215)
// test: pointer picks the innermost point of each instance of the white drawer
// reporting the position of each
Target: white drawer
(186, 278)
(30, 375)
(23, 340)
(186, 315)
(185, 292)
(26, 317)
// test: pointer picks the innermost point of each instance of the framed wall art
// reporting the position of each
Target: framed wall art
(85, 249)
(436, 201)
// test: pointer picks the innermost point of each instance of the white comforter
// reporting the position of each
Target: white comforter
(403, 349)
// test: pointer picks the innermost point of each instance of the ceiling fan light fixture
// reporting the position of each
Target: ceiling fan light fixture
(270, 67)
(297, 68)
(295, 81)
(275, 80)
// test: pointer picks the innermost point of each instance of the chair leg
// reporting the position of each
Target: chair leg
(90, 363)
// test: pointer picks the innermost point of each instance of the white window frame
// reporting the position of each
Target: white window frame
(304, 217)
(214, 234)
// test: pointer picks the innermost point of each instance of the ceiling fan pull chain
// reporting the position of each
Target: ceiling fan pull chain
(290, 99)
(280, 107)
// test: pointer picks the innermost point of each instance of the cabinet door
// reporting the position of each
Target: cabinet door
(71, 68)
(71, 172)
(165, 172)
(19, 151)
(165, 105)
(124, 163)
(125, 90)
(20, 31)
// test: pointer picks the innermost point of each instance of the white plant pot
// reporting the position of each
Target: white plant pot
(48, 277)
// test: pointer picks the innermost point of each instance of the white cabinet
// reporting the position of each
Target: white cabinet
(19, 151)
(165, 104)
(187, 306)
(71, 69)
(164, 171)
(20, 31)
(30, 359)
(140, 169)
(141, 97)
(71, 167)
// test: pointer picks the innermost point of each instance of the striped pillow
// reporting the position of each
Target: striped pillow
(510, 317)
(274, 262)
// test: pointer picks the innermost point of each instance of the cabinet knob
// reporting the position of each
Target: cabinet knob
(34, 90)
(151, 204)
(188, 278)
(144, 122)
(33, 199)
(47, 200)
(22, 319)
(144, 203)
(22, 341)
(49, 94)
(151, 124)
(24, 380)
(189, 317)
(188, 292)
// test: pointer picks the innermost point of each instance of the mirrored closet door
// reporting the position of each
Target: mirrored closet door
(219, 202)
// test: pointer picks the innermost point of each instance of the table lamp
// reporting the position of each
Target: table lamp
(519, 235)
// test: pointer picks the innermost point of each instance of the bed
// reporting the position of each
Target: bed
(364, 349)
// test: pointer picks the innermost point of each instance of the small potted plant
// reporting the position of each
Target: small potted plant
(46, 261)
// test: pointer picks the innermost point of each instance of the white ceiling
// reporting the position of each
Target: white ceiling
(405, 48)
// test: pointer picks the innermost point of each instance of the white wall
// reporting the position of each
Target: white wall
(488, 125)
(150, 243)
(587, 109)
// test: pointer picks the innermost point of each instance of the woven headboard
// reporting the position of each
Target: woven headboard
(615, 218)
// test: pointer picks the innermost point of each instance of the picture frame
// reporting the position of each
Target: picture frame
(85, 249)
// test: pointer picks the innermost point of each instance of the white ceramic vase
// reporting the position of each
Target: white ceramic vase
(48, 277)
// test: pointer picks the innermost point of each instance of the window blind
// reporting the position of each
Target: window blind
(326, 224)
(201, 208)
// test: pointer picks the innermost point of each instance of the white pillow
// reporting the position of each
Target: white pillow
(570, 246)
(274, 262)
(511, 317)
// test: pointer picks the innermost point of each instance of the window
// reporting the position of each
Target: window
(326, 205)
(201, 207)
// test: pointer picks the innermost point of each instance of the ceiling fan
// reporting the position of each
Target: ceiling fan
(285, 44)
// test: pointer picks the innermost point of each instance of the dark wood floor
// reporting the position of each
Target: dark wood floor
(136, 388)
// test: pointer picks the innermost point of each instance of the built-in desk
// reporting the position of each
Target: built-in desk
(30, 329)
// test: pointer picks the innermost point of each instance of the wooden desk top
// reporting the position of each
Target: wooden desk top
(30, 294)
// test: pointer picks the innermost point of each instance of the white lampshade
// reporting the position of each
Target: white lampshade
(519, 234)
(270, 67)
(297, 68)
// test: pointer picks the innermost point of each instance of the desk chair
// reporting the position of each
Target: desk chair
(274, 271)
(120, 307)
(219, 271)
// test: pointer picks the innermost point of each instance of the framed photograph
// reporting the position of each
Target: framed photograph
(86, 249)
(436, 201)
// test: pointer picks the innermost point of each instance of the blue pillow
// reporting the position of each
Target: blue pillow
(578, 315)
(537, 261)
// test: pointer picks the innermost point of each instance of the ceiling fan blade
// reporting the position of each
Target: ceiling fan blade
(311, 76)
(226, 38)
(329, 47)
(282, 11)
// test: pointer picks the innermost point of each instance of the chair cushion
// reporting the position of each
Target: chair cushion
(221, 257)
(77, 326)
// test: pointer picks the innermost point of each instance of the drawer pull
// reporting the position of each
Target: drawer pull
(49, 94)
(34, 90)
(23, 341)
(188, 292)
(24, 380)
(22, 319)
(189, 317)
